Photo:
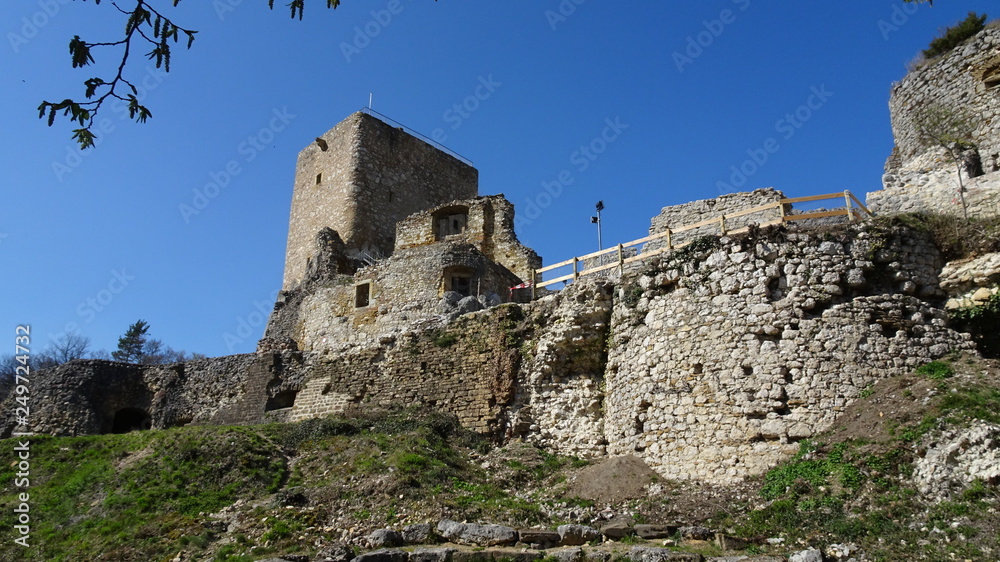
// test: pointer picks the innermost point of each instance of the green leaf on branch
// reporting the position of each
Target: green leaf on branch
(84, 137)
(80, 52)
(136, 111)
(92, 85)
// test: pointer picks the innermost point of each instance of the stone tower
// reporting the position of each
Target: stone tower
(361, 178)
(965, 79)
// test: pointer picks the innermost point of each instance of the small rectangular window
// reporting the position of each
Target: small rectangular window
(462, 285)
(362, 295)
(319, 178)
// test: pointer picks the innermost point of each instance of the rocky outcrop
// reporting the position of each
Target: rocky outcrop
(956, 458)
(971, 282)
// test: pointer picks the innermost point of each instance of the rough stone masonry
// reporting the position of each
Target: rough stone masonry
(709, 362)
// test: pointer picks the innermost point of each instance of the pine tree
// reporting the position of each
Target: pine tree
(131, 346)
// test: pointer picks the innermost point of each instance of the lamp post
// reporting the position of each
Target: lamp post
(597, 220)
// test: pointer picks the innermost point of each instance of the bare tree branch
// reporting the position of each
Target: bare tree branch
(143, 23)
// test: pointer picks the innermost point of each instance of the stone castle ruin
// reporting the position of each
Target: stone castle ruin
(919, 177)
(710, 361)
(385, 230)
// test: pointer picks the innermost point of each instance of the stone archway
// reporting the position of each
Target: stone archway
(131, 419)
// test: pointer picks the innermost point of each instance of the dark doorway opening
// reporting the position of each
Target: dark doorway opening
(130, 419)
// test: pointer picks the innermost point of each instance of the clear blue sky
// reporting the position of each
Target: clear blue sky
(99, 240)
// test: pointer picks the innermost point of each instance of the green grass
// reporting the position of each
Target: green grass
(145, 494)
(122, 494)
(860, 491)
(936, 370)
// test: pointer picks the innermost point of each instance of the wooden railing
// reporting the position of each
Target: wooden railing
(621, 255)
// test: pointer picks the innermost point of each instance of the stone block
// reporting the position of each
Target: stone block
(656, 531)
(616, 531)
(572, 554)
(336, 553)
(575, 535)
(383, 555)
(496, 555)
(382, 538)
(655, 554)
(418, 533)
(441, 554)
(695, 532)
(476, 535)
(539, 538)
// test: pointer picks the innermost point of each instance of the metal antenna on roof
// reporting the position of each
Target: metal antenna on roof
(369, 100)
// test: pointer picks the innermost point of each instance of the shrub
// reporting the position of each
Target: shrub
(954, 35)
(936, 370)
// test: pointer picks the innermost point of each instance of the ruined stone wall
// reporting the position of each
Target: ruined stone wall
(968, 79)
(468, 369)
(83, 397)
(934, 189)
(709, 362)
(489, 227)
(404, 293)
(721, 359)
(560, 396)
(694, 212)
(369, 176)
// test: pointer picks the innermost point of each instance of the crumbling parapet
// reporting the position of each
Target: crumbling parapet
(485, 222)
(694, 212)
